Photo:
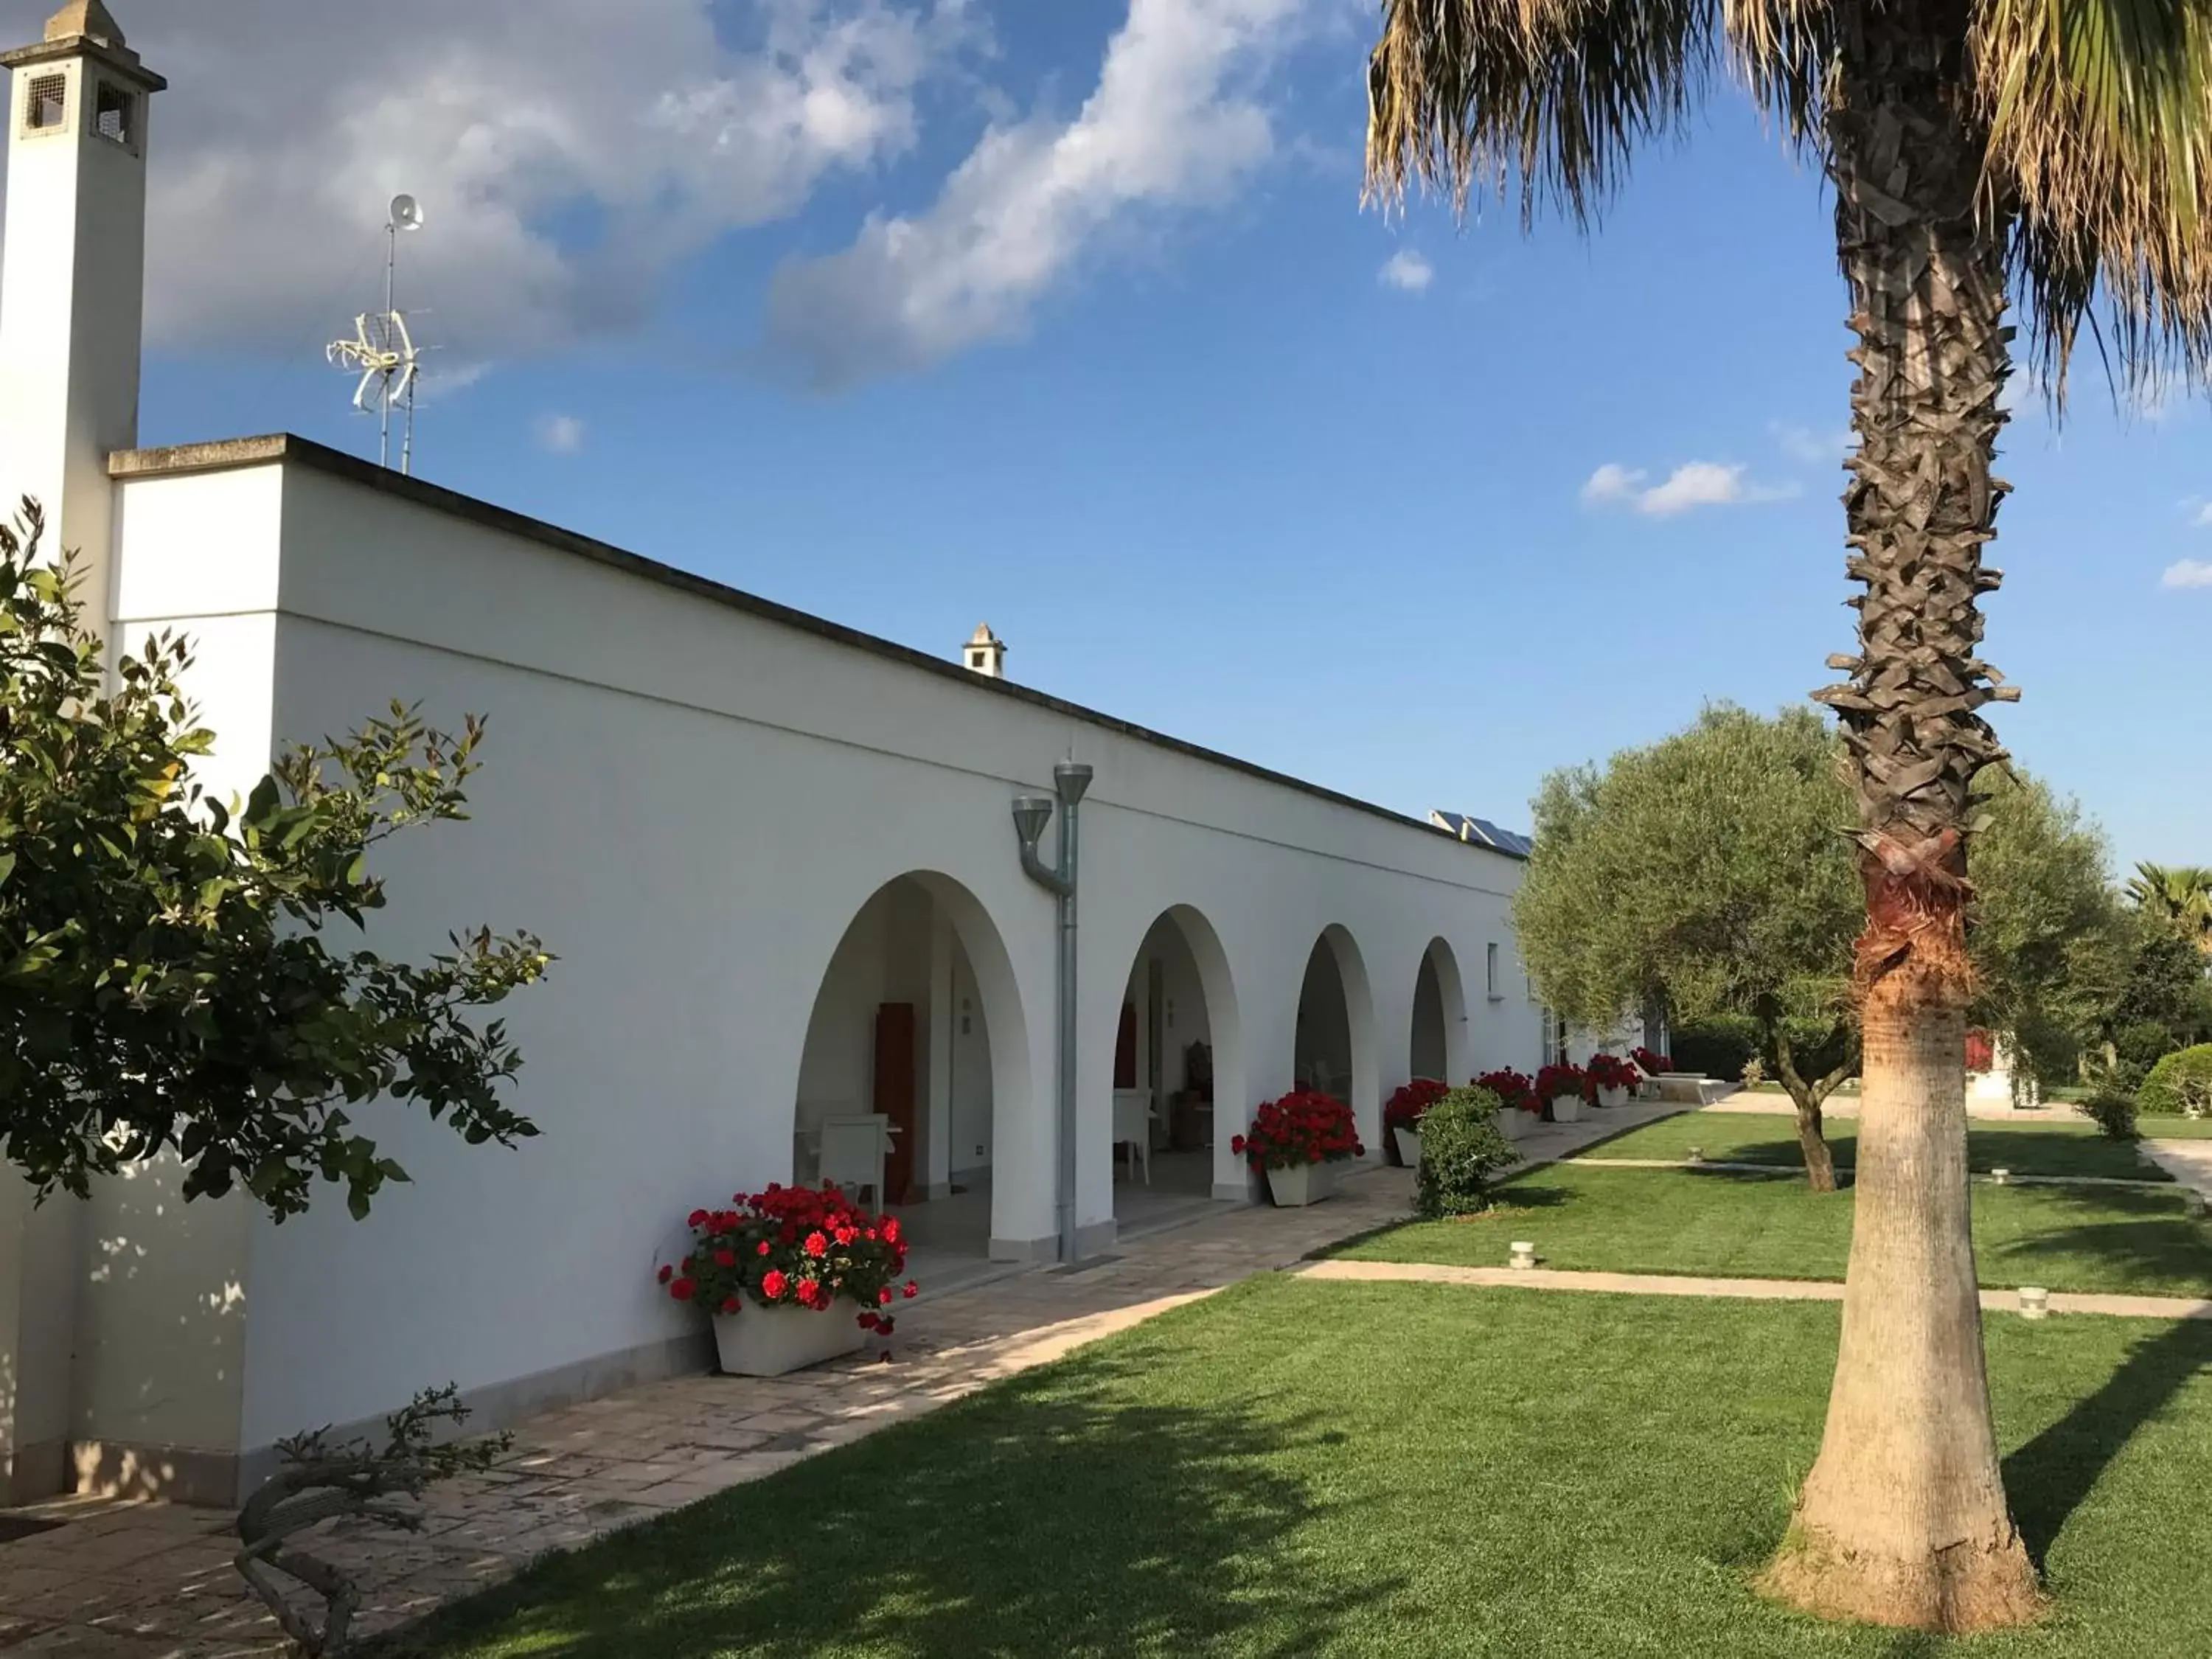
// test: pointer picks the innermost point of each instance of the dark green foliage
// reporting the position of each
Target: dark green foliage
(1716, 1046)
(1463, 1151)
(168, 978)
(2113, 1112)
(2180, 1085)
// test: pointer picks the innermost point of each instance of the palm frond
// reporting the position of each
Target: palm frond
(1558, 95)
(2099, 117)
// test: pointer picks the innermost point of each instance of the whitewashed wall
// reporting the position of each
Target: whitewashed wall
(691, 802)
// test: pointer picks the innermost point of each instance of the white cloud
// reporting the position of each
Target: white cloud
(1694, 483)
(562, 435)
(1172, 123)
(1612, 483)
(1407, 271)
(2203, 515)
(569, 152)
(2188, 573)
(1804, 443)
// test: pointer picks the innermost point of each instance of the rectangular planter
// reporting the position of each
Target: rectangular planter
(769, 1341)
(1567, 1109)
(1513, 1122)
(1409, 1147)
(1302, 1184)
(1615, 1096)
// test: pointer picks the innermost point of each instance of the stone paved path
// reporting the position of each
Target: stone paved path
(153, 1581)
(2189, 1162)
(1750, 1290)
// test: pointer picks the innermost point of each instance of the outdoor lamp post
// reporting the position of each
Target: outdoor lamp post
(1031, 814)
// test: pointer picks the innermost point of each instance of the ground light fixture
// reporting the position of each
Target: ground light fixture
(1524, 1253)
(2034, 1302)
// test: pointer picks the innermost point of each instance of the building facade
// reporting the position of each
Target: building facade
(774, 856)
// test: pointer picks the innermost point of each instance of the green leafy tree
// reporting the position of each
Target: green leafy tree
(2051, 152)
(169, 978)
(1707, 872)
(2181, 896)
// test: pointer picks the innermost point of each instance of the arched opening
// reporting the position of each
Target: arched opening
(1439, 1047)
(1174, 1053)
(1333, 1049)
(916, 1032)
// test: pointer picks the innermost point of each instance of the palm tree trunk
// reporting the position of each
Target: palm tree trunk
(1903, 1520)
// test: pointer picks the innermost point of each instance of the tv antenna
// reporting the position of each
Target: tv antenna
(382, 348)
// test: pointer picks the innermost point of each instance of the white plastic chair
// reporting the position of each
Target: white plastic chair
(1133, 1127)
(852, 1149)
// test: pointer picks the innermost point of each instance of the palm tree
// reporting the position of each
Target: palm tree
(2180, 895)
(2054, 152)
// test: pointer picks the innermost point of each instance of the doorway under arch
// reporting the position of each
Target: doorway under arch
(917, 1021)
(1438, 1046)
(1177, 1050)
(1333, 1049)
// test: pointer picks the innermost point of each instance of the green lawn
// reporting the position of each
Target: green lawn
(2174, 1128)
(1757, 1138)
(1298, 1470)
(1755, 1226)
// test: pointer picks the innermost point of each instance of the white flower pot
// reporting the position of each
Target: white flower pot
(1613, 1095)
(1301, 1184)
(1409, 1147)
(1513, 1122)
(768, 1341)
(1567, 1109)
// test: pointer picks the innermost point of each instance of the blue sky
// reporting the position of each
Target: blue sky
(1126, 371)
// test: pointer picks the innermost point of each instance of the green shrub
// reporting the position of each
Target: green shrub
(2113, 1112)
(1718, 1047)
(2179, 1084)
(1463, 1151)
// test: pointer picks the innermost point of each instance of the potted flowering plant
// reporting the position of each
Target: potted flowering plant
(1564, 1088)
(1650, 1064)
(1296, 1140)
(1402, 1114)
(772, 1270)
(1614, 1079)
(1520, 1109)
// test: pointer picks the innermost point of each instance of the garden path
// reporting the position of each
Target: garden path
(2189, 1162)
(1753, 1290)
(137, 1580)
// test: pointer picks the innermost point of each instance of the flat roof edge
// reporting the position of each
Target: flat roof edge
(185, 459)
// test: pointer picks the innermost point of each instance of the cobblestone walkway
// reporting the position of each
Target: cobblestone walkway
(153, 1581)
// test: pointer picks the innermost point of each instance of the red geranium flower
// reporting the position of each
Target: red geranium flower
(729, 1304)
(695, 1218)
(772, 1284)
(912, 1289)
(816, 1245)
(682, 1289)
(726, 1258)
(667, 1273)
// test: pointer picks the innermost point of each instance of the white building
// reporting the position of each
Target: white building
(774, 856)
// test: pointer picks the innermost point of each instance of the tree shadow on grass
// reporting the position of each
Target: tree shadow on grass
(1049, 1515)
(2149, 1234)
(2049, 1477)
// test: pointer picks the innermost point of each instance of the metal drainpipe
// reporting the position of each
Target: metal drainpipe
(1071, 780)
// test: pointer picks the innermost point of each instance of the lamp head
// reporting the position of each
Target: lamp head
(1073, 780)
(1031, 814)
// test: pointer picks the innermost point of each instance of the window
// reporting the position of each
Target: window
(1490, 968)
(113, 115)
(46, 106)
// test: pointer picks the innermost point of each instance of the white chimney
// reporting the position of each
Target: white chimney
(986, 652)
(73, 284)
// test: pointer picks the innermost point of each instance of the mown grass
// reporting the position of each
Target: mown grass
(2048, 1149)
(1327, 1471)
(2141, 1241)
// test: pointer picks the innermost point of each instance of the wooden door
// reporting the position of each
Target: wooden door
(896, 1094)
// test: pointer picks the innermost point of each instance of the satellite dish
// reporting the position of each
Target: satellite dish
(406, 213)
